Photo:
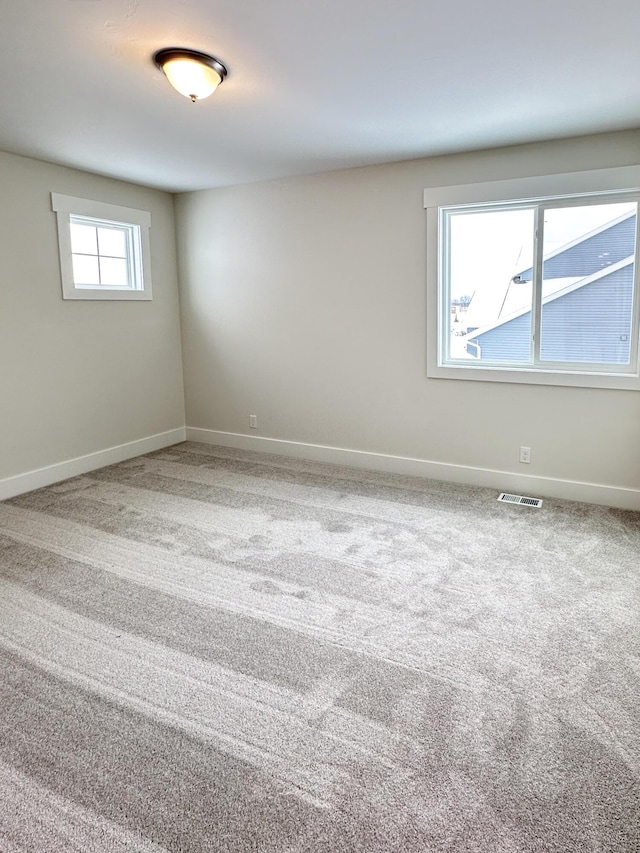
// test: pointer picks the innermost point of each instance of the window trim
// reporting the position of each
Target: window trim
(67, 206)
(565, 187)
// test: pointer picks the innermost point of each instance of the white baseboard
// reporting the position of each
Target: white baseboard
(12, 486)
(504, 481)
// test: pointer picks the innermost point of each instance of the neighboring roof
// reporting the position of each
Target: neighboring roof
(575, 284)
(518, 296)
(501, 304)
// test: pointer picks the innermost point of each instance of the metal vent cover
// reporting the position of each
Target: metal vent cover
(519, 499)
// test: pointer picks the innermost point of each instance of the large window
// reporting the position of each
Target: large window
(104, 249)
(538, 288)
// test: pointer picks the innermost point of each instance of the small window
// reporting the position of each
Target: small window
(538, 289)
(104, 249)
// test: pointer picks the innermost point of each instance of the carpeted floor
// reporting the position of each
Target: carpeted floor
(205, 649)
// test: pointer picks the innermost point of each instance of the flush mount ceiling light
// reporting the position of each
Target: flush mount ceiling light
(195, 75)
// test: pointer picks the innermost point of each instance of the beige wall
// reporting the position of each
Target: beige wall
(79, 377)
(303, 302)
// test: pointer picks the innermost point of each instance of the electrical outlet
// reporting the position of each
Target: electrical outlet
(253, 422)
(525, 454)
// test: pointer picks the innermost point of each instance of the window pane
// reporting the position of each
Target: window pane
(113, 242)
(490, 295)
(83, 239)
(587, 283)
(114, 272)
(85, 270)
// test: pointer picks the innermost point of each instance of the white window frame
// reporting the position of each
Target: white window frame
(566, 188)
(135, 222)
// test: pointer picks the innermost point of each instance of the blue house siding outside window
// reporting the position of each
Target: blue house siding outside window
(591, 324)
(591, 254)
(509, 342)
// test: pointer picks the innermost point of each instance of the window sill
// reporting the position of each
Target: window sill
(524, 376)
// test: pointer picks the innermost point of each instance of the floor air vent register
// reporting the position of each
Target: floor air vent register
(519, 499)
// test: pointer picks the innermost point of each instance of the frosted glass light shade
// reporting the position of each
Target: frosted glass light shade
(195, 75)
(191, 79)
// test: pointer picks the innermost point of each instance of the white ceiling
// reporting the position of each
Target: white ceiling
(313, 85)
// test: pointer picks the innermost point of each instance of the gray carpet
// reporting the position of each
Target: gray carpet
(206, 649)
